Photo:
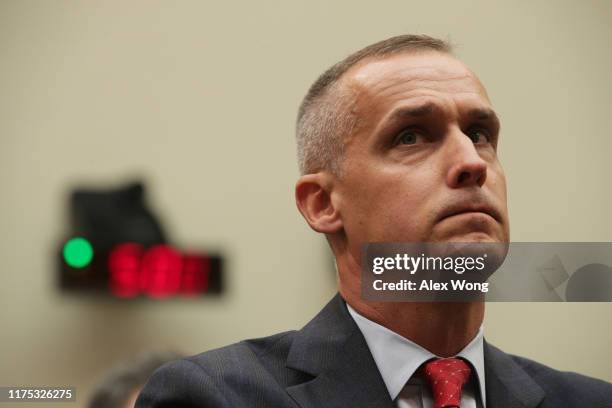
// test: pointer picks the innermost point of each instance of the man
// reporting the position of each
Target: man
(396, 143)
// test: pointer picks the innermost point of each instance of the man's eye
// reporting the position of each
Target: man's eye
(409, 137)
(479, 136)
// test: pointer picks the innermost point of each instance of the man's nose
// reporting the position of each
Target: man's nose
(467, 168)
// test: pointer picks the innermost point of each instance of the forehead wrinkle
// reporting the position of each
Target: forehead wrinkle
(386, 87)
(434, 92)
(378, 76)
(456, 86)
(370, 70)
(423, 96)
(397, 81)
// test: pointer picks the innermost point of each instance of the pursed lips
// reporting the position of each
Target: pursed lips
(461, 209)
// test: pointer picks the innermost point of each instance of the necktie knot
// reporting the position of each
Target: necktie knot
(447, 376)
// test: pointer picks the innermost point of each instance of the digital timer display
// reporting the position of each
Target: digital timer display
(131, 270)
(116, 246)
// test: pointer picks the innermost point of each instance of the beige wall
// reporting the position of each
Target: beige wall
(200, 98)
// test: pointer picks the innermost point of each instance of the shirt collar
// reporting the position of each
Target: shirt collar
(397, 358)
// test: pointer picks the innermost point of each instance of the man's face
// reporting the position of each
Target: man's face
(422, 164)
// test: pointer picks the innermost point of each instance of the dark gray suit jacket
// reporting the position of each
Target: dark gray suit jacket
(328, 364)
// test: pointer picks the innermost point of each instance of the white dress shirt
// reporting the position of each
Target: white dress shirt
(398, 358)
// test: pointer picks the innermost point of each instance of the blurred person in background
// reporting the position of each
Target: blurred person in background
(121, 385)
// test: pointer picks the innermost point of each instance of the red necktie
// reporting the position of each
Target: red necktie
(447, 376)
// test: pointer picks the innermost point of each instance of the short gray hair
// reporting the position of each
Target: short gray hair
(325, 115)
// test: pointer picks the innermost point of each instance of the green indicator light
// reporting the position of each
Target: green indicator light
(78, 252)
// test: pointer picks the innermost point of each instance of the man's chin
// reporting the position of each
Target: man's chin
(474, 244)
(470, 229)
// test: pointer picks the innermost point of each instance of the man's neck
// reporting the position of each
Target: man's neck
(442, 328)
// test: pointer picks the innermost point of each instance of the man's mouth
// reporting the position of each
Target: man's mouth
(470, 209)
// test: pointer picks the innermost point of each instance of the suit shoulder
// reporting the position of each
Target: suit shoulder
(180, 383)
(248, 372)
(567, 385)
(245, 353)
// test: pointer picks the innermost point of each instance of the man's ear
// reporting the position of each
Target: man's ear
(313, 199)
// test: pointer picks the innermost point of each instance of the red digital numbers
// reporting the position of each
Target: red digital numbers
(124, 268)
(158, 272)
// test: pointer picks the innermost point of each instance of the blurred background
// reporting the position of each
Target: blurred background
(197, 100)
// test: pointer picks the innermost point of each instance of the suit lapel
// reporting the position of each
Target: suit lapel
(507, 384)
(332, 349)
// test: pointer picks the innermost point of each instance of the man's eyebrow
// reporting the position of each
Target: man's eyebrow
(428, 109)
(483, 114)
